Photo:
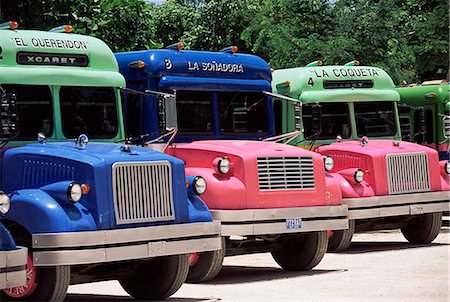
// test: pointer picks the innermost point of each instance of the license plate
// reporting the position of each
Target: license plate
(293, 223)
(156, 249)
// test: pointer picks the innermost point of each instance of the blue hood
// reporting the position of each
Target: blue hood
(35, 166)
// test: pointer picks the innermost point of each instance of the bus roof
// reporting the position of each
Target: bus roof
(38, 57)
(335, 83)
(424, 94)
(191, 63)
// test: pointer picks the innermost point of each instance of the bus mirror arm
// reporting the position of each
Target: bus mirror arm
(146, 92)
(283, 97)
(283, 138)
(171, 133)
(288, 137)
(168, 101)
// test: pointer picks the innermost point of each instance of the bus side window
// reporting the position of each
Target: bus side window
(278, 114)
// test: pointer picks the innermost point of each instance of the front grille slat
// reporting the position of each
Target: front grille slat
(285, 173)
(143, 192)
(408, 173)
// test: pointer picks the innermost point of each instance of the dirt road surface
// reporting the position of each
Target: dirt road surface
(379, 266)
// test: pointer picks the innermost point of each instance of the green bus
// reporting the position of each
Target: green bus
(433, 98)
(66, 84)
(347, 98)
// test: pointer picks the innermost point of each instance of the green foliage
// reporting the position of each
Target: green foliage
(409, 39)
(123, 24)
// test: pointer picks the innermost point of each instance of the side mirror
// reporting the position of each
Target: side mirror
(168, 111)
(8, 116)
(446, 126)
(298, 117)
(316, 114)
(422, 120)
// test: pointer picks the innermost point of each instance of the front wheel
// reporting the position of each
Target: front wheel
(301, 253)
(423, 229)
(206, 266)
(43, 284)
(341, 240)
(157, 278)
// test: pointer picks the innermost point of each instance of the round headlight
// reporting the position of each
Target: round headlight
(199, 185)
(74, 192)
(5, 203)
(447, 167)
(328, 162)
(359, 175)
(223, 165)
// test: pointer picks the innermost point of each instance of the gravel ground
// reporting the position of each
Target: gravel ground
(379, 266)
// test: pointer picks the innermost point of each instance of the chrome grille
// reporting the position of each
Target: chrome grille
(408, 173)
(285, 173)
(143, 192)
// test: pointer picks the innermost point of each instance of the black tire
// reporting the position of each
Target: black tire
(423, 229)
(208, 265)
(302, 252)
(157, 278)
(341, 240)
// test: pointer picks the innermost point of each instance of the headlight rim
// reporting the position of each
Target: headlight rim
(73, 185)
(8, 203)
(194, 185)
(325, 158)
(447, 167)
(356, 178)
(219, 165)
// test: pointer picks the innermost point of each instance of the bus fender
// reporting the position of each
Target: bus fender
(38, 212)
(223, 191)
(351, 189)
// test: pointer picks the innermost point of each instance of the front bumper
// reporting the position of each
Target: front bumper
(13, 267)
(274, 221)
(397, 205)
(125, 244)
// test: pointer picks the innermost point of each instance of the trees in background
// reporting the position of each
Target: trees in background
(408, 38)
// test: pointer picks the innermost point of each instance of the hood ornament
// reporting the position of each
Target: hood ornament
(82, 141)
(364, 141)
(338, 139)
(41, 138)
(125, 148)
(396, 144)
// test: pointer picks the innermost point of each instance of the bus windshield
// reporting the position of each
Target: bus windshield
(335, 121)
(89, 110)
(194, 111)
(34, 109)
(375, 119)
(242, 112)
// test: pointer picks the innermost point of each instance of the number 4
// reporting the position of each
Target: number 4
(311, 82)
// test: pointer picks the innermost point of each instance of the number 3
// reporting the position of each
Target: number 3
(168, 63)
